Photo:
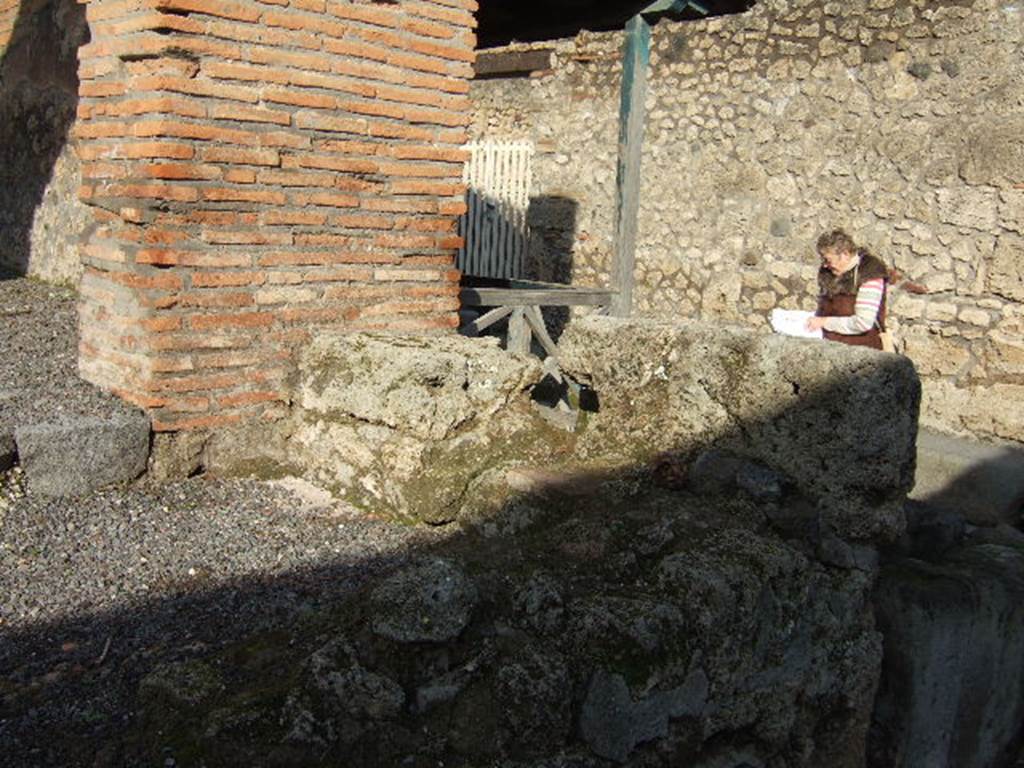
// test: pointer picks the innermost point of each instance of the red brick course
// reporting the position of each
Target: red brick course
(258, 169)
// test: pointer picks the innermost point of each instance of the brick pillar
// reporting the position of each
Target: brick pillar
(259, 170)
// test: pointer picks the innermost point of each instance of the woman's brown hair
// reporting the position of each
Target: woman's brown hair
(836, 241)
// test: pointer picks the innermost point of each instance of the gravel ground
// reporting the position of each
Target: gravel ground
(97, 590)
(38, 356)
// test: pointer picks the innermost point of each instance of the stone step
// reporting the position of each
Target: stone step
(78, 454)
(981, 481)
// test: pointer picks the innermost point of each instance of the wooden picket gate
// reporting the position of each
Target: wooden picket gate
(498, 178)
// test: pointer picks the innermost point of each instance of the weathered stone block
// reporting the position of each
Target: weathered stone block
(987, 412)
(404, 425)
(81, 454)
(908, 307)
(1006, 269)
(722, 294)
(933, 354)
(952, 689)
(176, 455)
(995, 153)
(424, 386)
(1004, 355)
(839, 422)
(975, 316)
(1011, 210)
(338, 699)
(943, 405)
(968, 207)
(428, 602)
(940, 311)
(997, 411)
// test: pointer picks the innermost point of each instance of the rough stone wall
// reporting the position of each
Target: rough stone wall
(898, 120)
(41, 218)
(257, 170)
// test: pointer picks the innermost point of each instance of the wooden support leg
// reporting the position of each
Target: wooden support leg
(474, 327)
(540, 331)
(518, 332)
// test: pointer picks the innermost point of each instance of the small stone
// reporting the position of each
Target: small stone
(429, 602)
(352, 688)
(975, 317)
(910, 308)
(922, 70)
(765, 300)
(178, 686)
(780, 227)
(940, 310)
(878, 52)
(759, 482)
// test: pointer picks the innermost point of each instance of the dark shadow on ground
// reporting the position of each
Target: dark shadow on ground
(38, 103)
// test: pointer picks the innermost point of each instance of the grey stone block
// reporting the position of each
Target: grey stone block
(78, 455)
(428, 602)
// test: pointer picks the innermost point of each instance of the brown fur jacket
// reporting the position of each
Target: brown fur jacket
(870, 268)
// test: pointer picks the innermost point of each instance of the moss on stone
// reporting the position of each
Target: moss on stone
(266, 468)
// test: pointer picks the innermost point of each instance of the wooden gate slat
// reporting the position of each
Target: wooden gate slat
(498, 178)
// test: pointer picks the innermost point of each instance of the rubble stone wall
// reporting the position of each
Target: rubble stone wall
(901, 121)
(257, 170)
(41, 218)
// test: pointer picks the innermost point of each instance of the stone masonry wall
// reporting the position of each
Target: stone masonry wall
(258, 170)
(901, 121)
(41, 218)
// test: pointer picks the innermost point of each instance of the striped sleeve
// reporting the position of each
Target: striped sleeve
(869, 298)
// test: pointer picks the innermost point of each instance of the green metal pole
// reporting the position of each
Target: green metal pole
(636, 56)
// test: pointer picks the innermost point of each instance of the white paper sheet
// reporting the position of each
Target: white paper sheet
(793, 322)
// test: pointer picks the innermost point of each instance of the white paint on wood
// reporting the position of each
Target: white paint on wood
(498, 176)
